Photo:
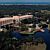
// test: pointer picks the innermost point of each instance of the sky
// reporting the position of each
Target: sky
(24, 0)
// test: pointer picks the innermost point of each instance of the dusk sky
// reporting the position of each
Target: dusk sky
(24, 0)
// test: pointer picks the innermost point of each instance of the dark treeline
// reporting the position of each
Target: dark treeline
(15, 9)
(21, 9)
